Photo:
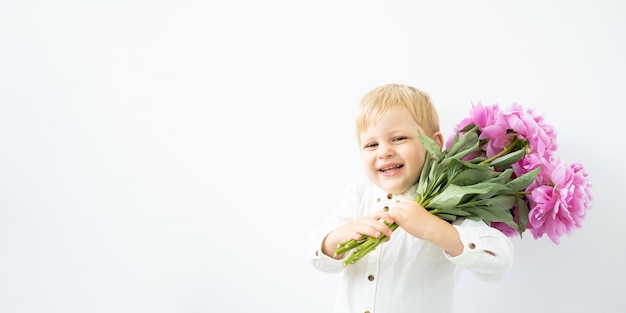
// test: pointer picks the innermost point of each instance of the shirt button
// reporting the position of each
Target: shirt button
(370, 277)
(389, 196)
(471, 245)
(378, 200)
(386, 209)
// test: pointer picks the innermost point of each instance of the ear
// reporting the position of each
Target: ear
(438, 137)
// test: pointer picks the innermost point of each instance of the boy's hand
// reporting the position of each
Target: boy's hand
(414, 218)
(420, 223)
(369, 225)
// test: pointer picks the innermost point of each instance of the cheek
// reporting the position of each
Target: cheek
(417, 158)
(367, 158)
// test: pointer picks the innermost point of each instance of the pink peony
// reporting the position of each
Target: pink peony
(560, 195)
(505, 229)
(528, 163)
(480, 115)
(559, 200)
(532, 128)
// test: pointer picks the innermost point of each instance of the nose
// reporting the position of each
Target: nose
(385, 151)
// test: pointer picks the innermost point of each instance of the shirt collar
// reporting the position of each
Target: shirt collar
(381, 195)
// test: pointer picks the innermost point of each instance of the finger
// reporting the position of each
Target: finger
(381, 228)
(356, 236)
(372, 228)
(383, 216)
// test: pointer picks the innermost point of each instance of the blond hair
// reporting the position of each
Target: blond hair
(381, 99)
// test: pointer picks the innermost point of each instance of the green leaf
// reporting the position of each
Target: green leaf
(452, 195)
(423, 181)
(466, 143)
(505, 176)
(477, 160)
(502, 202)
(474, 165)
(431, 146)
(522, 213)
(453, 211)
(433, 176)
(508, 159)
(520, 183)
(472, 176)
(492, 214)
(501, 177)
(467, 151)
(442, 178)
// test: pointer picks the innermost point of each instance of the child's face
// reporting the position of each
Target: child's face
(392, 153)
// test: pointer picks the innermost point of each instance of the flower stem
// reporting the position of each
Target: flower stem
(504, 151)
(362, 248)
(349, 245)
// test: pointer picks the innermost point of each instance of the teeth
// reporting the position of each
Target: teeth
(390, 168)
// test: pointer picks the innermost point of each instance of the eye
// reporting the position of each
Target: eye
(370, 146)
(398, 138)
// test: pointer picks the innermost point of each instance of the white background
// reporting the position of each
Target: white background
(172, 156)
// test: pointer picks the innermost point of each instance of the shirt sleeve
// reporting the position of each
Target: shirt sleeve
(323, 262)
(343, 213)
(487, 252)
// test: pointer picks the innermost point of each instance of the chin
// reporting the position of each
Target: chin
(392, 186)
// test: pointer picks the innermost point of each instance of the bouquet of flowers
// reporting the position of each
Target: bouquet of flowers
(500, 166)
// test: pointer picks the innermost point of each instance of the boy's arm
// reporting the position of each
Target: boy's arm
(319, 252)
(487, 252)
(473, 245)
(420, 223)
(369, 225)
(444, 235)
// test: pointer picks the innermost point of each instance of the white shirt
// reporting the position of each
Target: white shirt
(407, 274)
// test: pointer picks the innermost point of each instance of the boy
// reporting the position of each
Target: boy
(417, 269)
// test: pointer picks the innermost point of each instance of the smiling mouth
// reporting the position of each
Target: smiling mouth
(390, 168)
